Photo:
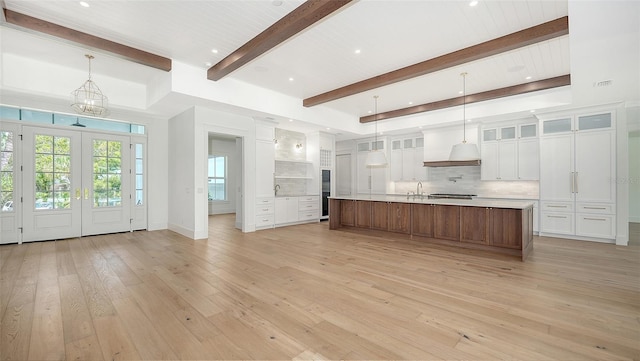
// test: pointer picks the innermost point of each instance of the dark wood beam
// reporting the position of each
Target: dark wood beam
(532, 35)
(299, 19)
(473, 98)
(93, 42)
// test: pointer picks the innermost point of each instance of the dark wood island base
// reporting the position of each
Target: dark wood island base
(481, 226)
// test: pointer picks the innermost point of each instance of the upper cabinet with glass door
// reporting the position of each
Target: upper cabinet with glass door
(587, 122)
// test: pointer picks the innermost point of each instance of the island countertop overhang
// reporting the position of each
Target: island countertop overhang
(485, 203)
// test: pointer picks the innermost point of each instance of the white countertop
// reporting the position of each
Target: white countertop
(489, 203)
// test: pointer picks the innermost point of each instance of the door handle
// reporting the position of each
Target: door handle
(78, 196)
(86, 193)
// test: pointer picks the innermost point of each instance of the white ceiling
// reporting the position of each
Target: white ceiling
(390, 34)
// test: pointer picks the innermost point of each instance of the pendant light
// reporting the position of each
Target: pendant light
(376, 157)
(88, 98)
(464, 151)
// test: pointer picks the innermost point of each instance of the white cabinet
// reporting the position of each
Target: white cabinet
(308, 208)
(577, 169)
(510, 152)
(286, 210)
(370, 179)
(265, 167)
(406, 161)
(264, 212)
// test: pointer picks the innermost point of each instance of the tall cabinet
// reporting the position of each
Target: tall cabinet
(370, 180)
(577, 176)
(265, 168)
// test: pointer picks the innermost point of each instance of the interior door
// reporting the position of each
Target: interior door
(52, 181)
(106, 184)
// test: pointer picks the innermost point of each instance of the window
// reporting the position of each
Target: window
(217, 178)
(6, 171)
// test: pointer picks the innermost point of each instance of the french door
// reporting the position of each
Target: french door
(74, 183)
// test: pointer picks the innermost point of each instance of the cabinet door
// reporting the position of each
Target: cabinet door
(363, 174)
(363, 214)
(447, 222)
(347, 213)
(422, 219)
(474, 224)
(400, 217)
(379, 180)
(396, 164)
(292, 209)
(265, 168)
(505, 228)
(556, 168)
(380, 215)
(595, 167)
(281, 211)
(419, 170)
(489, 168)
(528, 159)
(507, 159)
(408, 162)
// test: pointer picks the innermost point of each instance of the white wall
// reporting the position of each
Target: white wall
(226, 147)
(181, 179)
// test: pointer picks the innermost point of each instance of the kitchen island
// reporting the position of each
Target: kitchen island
(497, 225)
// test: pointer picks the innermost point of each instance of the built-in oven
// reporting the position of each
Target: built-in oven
(326, 192)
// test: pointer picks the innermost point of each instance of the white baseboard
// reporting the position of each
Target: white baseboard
(189, 233)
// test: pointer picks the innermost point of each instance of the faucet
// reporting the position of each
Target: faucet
(419, 189)
(276, 189)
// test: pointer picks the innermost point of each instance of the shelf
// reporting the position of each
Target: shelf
(292, 177)
(294, 161)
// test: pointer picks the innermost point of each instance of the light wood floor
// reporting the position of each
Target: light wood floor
(305, 292)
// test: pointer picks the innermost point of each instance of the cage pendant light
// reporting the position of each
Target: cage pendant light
(376, 157)
(464, 151)
(88, 99)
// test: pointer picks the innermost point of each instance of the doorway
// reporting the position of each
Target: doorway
(225, 177)
(73, 183)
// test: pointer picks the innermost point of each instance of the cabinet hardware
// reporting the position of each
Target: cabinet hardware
(603, 208)
(594, 219)
(571, 182)
(552, 206)
(575, 180)
(556, 216)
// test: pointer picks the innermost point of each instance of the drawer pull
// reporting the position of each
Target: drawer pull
(594, 208)
(265, 209)
(265, 220)
(594, 219)
(557, 216)
(552, 206)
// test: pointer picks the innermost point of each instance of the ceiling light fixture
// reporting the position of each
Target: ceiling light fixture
(464, 151)
(84, 4)
(88, 98)
(215, 51)
(376, 158)
(473, 3)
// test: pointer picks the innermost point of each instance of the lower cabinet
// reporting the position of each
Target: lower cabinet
(447, 222)
(286, 210)
(474, 225)
(422, 216)
(363, 214)
(264, 212)
(400, 217)
(485, 227)
(380, 215)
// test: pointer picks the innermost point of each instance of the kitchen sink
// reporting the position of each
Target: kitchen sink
(451, 196)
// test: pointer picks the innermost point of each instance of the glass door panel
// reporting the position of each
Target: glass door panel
(9, 185)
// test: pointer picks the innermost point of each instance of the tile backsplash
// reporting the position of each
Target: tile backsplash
(466, 180)
(286, 146)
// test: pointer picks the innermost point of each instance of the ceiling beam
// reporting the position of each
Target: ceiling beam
(93, 42)
(532, 35)
(549, 83)
(299, 19)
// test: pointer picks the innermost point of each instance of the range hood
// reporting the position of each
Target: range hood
(452, 163)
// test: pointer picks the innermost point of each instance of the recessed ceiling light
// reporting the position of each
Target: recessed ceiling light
(328, 128)
(290, 79)
(84, 4)
(215, 51)
(532, 111)
(369, 111)
(410, 103)
(528, 78)
(208, 64)
(276, 3)
(290, 120)
(460, 92)
(357, 51)
(473, 3)
(468, 120)
(419, 126)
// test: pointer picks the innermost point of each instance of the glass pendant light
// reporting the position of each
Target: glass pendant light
(88, 99)
(464, 151)
(376, 157)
